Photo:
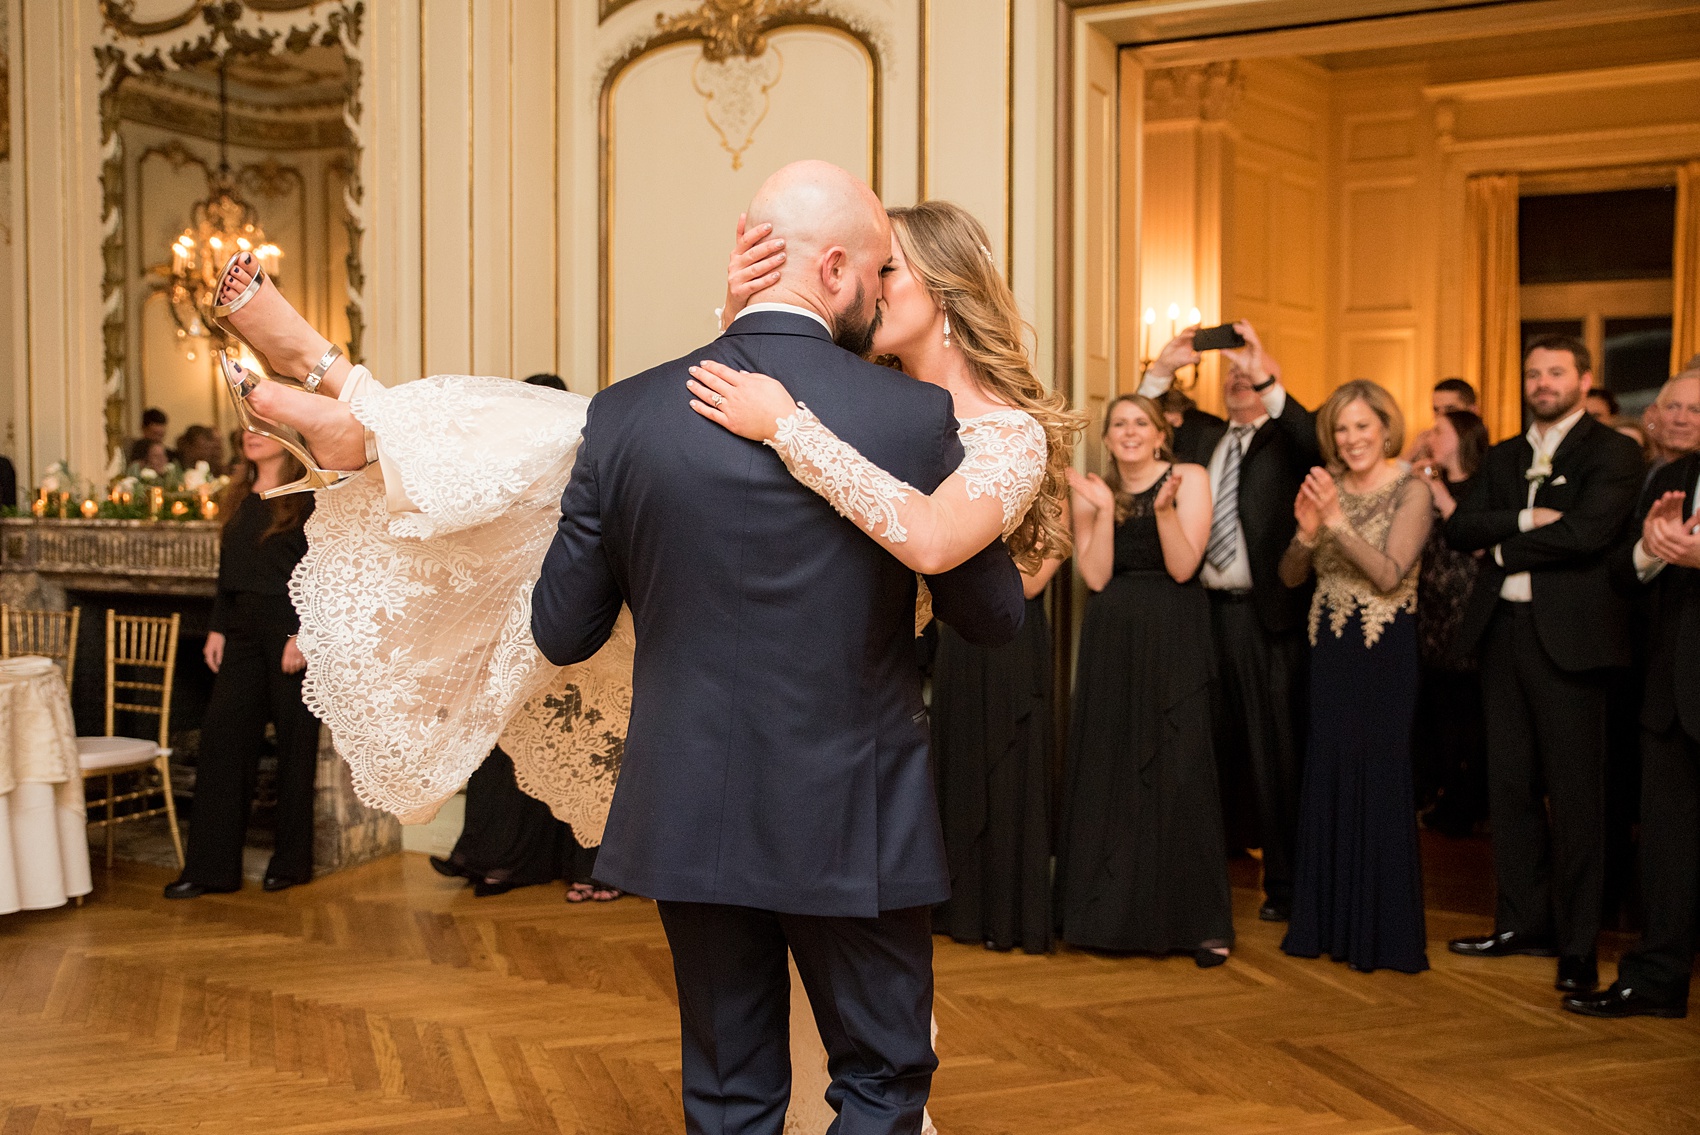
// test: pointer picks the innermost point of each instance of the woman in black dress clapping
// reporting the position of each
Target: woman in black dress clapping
(258, 669)
(1139, 861)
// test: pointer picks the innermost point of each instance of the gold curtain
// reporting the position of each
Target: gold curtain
(1685, 317)
(1492, 326)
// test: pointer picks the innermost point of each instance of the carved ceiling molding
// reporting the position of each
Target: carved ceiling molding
(249, 126)
(731, 28)
(1209, 92)
(609, 7)
(203, 32)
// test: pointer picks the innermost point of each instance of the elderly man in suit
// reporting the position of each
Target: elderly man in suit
(1652, 980)
(1547, 511)
(1257, 461)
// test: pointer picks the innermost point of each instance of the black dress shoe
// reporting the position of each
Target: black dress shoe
(483, 888)
(1622, 1001)
(1577, 975)
(184, 889)
(1503, 945)
(1273, 911)
(278, 882)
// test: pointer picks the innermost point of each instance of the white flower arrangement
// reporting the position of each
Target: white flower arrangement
(1540, 469)
(57, 478)
(197, 477)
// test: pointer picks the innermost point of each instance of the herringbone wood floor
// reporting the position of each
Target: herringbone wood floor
(387, 999)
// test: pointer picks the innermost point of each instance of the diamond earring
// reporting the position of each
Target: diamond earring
(947, 329)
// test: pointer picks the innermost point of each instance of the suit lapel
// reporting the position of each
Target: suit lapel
(1574, 440)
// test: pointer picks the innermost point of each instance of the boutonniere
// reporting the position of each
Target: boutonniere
(1539, 470)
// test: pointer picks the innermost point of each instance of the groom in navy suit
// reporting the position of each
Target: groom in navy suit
(775, 790)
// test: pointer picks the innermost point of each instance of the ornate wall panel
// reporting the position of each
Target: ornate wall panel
(689, 141)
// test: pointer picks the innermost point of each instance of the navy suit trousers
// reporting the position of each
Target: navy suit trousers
(869, 981)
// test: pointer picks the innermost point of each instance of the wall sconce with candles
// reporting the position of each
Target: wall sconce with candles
(1146, 356)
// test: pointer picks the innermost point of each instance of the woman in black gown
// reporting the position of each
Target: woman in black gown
(991, 738)
(1139, 860)
(1357, 886)
(257, 679)
(1450, 742)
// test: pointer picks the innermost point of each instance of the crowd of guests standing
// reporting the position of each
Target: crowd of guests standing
(1274, 597)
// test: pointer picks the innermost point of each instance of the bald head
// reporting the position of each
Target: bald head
(837, 238)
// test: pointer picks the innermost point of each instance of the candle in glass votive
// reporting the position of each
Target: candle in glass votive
(179, 508)
(209, 508)
(156, 501)
(125, 499)
(89, 509)
(64, 505)
(38, 506)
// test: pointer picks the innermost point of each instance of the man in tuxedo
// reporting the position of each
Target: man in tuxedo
(8, 484)
(1652, 979)
(1547, 510)
(775, 790)
(1257, 461)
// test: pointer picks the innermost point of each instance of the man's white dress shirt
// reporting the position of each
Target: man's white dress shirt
(1517, 587)
(1237, 575)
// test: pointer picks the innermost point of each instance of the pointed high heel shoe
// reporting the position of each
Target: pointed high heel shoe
(222, 312)
(241, 384)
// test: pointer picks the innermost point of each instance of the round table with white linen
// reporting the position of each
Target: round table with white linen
(44, 849)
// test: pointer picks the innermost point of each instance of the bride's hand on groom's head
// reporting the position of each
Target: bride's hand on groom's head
(748, 404)
(754, 266)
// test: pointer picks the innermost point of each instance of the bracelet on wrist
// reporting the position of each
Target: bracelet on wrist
(1260, 387)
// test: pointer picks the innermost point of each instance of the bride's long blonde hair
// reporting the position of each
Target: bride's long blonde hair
(948, 252)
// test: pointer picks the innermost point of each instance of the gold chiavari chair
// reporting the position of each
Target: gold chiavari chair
(135, 644)
(50, 634)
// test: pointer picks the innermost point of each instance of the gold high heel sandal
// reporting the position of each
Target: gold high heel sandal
(222, 312)
(241, 384)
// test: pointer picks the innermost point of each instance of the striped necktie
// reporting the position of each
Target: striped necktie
(1219, 553)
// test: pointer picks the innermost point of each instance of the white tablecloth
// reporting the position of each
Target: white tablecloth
(44, 850)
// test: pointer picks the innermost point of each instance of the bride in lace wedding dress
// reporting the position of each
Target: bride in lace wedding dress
(415, 594)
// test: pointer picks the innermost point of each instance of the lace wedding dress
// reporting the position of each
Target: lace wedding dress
(415, 603)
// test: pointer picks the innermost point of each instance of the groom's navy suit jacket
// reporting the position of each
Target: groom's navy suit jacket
(777, 754)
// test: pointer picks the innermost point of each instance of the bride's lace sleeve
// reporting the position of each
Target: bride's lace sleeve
(1003, 457)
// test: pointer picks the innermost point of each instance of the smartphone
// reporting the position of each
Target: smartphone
(1217, 338)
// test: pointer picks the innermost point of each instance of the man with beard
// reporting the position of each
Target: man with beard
(775, 789)
(1547, 510)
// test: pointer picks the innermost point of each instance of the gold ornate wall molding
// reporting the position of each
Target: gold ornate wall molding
(204, 31)
(1209, 92)
(734, 38)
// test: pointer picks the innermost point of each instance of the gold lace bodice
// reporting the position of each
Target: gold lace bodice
(1342, 587)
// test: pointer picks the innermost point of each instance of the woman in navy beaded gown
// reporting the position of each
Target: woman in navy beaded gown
(1358, 891)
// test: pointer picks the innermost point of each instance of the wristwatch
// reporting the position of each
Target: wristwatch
(1260, 387)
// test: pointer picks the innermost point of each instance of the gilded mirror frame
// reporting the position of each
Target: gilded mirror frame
(202, 31)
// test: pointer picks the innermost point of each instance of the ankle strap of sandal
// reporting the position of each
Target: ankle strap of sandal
(317, 374)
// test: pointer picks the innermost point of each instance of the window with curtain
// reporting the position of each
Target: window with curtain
(1601, 266)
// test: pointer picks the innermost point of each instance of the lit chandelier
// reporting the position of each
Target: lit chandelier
(220, 226)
